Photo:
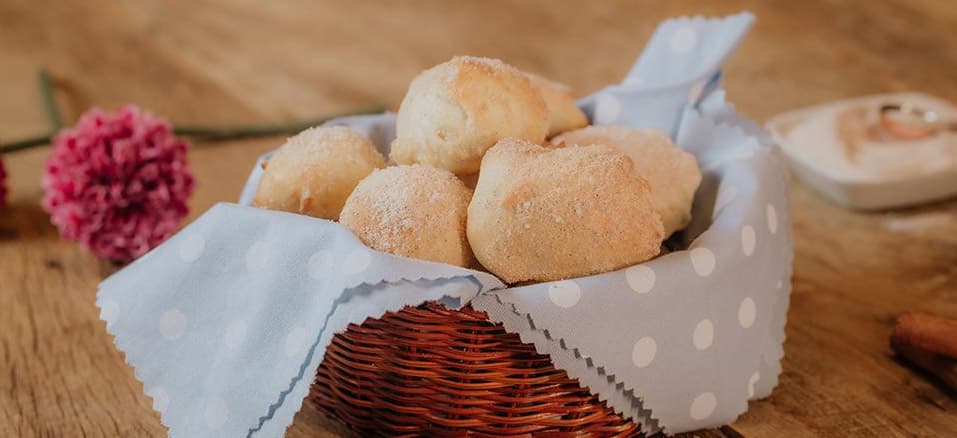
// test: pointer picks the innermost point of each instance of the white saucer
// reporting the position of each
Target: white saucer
(932, 181)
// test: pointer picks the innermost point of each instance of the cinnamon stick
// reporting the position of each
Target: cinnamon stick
(926, 332)
(929, 342)
(943, 368)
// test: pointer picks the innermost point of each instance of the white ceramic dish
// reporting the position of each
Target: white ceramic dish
(861, 191)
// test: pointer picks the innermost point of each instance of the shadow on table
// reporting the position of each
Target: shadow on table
(24, 220)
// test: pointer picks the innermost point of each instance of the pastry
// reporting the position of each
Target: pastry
(545, 214)
(470, 180)
(453, 112)
(672, 173)
(415, 211)
(563, 113)
(314, 172)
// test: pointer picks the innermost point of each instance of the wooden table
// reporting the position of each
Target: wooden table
(231, 62)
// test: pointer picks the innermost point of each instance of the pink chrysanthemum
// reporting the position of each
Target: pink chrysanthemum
(117, 183)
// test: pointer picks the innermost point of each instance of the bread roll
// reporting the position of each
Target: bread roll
(315, 171)
(563, 113)
(414, 211)
(672, 173)
(545, 214)
(453, 112)
(469, 180)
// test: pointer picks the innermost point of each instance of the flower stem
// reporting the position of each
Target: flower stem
(206, 133)
(53, 116)
(49, 101)
(25, 143)
(263, 130)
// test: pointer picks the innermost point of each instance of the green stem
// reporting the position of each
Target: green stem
(25, 143)
(265, 130)
(53, 116)
(49, 102)
(205, 133)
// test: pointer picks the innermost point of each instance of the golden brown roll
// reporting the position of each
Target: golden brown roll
(545, 214)
(469, 180)
(414, 211)
(672, 173)
(563, 113)
(315, 171)
(453, 112)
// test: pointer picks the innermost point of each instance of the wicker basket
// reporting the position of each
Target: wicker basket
(429, 370)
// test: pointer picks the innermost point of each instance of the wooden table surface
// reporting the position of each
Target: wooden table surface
(225, 62)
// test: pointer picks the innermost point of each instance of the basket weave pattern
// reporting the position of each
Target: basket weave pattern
(430, 370)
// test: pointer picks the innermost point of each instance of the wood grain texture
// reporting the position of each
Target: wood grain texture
(224, 62)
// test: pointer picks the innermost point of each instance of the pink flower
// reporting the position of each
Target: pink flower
(117, 182)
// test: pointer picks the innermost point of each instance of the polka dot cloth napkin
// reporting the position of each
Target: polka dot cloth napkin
(227, 322)
(681, 342)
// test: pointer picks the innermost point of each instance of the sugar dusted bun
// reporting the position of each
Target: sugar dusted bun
(453, 112)
(315, 171)
(563, 113)
(414, 211)
(470, 180)
(672, 173)
(546, 214)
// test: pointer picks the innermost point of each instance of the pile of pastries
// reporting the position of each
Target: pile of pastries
(492, 168)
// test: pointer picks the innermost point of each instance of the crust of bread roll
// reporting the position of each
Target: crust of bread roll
(672, 173)
(415, 211)
(455, 111)
(314, 172)
(545, 214)
(563, 112)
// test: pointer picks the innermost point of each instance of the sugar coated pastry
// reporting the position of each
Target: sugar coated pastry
(470, 180)
(453, 112)
(672, 173)
(315, 171)
(414, 211)
(545, 214)
(563, 113)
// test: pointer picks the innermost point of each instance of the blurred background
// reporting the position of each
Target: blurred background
(227, 62)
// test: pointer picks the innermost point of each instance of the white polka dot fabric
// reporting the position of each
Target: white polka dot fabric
(679, 65)
(227, 322)
(696, 333)
(681, 342)
(687, 48)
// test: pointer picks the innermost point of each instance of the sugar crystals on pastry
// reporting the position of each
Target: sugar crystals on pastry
(415, 211)
(544, 214)
(672, 173)
(314, 172)
(563, 113)
(453, 112)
